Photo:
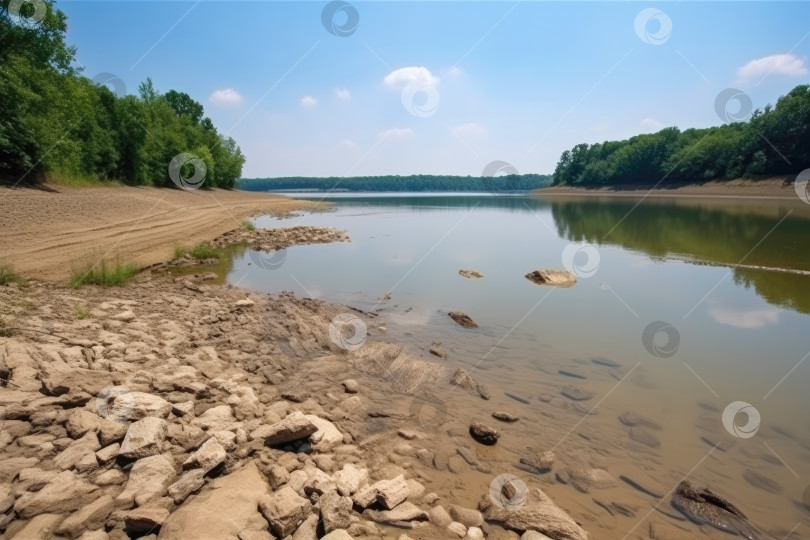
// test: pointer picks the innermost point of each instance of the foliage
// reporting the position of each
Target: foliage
(775, 141)
(248, 226)
(102, 273)
(8, 275)
(53, 121)
(200, 251)
(81, 312)
(419, 182)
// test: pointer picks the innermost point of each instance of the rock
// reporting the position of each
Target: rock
(440, 517)
(99, 534)
(556, 278)
(350, 386)
(108, 453)
(539, 513)
(518, 398)
(294, 427)
(474, 533)
(467, 516)
(463, 379)
(483, 434)
(336, 511)
(65, 493)
(539, 462)
(606, 362)
(137, 405)
(534, 535)
(326, 436)
(80, 421)
(245, 302)
(349, 479)
(437, 350)
(401, 516)
(644, 489)
(463, 319)
(144, 438)
(703, 506)
(505, 417)
(457, 529)
(389, 493)
(576, 394)
(252, 534)
(145, 519)
(632, 419)
(10, 467)
(111, 477)
(92, 516)
(470, 274)
(202, 517)
(190, 482)
(42, 526)
(207, 457)
(149, 479)
(81, 451)
(596, 478)
(308, 530)
(572, 372)
(338, 535)
(643, 436)
(278, 476)
(284, 510)
(124, 316)
(759, 480)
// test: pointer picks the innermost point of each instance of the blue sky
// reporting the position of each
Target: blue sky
(518, 82)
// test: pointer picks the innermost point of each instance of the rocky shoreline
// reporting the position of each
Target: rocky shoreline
(174, 408)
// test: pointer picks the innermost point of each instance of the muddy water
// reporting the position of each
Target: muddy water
(716, 333)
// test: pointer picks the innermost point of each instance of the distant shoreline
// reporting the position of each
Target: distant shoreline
(771, 188)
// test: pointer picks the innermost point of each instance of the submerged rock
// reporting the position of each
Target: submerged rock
(576, 394)
(463, 379)
(470, 274)
(505, 417)
(484, 434)
(463, 319)
(703, 506)
(556, 278)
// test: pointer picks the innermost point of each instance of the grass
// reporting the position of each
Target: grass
(81, 312)
(200, 251)
(8, 275)
(61, 179)
(103, 273)
(248, 226)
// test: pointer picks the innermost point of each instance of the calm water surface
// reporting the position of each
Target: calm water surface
(735, 333)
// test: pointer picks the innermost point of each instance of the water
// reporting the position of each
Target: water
(730, 333)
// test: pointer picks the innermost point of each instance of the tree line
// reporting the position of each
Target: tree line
(774, 141)
(55, 122)
(417, 182)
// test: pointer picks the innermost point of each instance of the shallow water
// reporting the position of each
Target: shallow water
(725, 333)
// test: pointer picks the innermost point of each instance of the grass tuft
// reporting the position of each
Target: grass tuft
(103, 273)
(81, 312)
(248, 226)
(8, 275)
(200, 251)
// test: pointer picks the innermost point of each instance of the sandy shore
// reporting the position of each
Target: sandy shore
(48, 230)
(774, 188)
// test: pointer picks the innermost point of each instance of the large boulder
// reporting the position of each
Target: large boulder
(295, 426)
(228, 506)
(207, 457)
(285, 510)
(538, 513)
(144, 438)
(91, 517)
(65, 493)
(149, 479)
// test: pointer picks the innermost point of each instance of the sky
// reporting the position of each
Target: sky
(374, 88)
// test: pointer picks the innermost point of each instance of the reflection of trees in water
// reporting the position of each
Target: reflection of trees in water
(433, 203)
(712, 235)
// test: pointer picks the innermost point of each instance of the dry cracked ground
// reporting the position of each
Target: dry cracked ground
(177, 409)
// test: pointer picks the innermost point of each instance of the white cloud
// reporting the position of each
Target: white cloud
(397, 134)
(650, 123)
(227, 97)
(776, 64)
(308, 102)
(403, 76)
(343, 94)
(470, 129)
(454, 72)
(748, 319)
(348, 144)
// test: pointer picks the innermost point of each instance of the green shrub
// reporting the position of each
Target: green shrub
(248, 226)
(8, 275)
(207, 251)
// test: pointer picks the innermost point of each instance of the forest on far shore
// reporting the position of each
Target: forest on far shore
(417, 182)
